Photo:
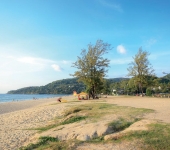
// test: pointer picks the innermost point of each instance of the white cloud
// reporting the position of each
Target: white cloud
(12, 64)
(29, 60)
(34, 60)
(121, 49)
(56, 67)
(114, 6)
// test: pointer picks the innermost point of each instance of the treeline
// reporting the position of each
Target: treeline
(153, 85)
(65, 86)
(121, 85)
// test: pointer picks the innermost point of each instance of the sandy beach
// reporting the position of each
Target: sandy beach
(17, 117)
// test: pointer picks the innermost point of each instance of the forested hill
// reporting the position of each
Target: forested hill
(65, 86)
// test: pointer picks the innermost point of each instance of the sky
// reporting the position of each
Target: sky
(40, 39)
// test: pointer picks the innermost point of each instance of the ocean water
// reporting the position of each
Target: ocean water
(21, 97)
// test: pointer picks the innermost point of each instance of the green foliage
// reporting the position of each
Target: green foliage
(120, 124)
(140, 69)
(96, 140)
(167, 77)
(42, 141)
(148, 92)
(71, 111)
(73, 119)
(156, 138)
(92, 66)
(65, 86)
(106, 87)
(95, 111)
(41, 129)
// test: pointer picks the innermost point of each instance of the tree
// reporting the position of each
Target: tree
(140, 69)
(133, 87)
(106, 87)
(92, 66)
(148, 92)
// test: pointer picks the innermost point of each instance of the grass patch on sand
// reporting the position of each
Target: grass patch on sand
(45, 128)
(96, 111)
(156, 138)
(73, 119)
(67, 121)
(42, 141)
(121, 124)
(91, 112)
(51, 143)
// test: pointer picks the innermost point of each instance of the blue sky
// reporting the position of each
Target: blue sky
(40, 39)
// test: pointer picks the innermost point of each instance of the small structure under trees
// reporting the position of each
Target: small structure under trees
(92, 67)
(140, 69)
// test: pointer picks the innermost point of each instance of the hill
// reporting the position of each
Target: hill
(167, 77)
(64, 86)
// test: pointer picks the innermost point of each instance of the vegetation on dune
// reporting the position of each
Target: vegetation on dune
(121, 124)
(157, 136)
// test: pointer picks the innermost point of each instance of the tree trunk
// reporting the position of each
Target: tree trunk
(141, 89)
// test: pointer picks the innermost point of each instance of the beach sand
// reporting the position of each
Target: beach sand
(17, 117)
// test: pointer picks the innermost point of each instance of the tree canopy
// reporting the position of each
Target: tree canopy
(92, 66)
(140, 69)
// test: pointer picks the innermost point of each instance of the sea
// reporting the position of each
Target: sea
(21, 97)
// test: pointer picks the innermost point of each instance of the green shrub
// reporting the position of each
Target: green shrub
(148, 92)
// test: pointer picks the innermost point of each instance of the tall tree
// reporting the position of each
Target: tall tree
(140, 69)
(92, 66)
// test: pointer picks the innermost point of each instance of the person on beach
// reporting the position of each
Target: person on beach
(59, 99)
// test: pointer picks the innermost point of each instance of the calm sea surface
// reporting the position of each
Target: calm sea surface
(21, 97)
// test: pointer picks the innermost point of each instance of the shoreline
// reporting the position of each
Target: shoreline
(5, 98)
(8, 107)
